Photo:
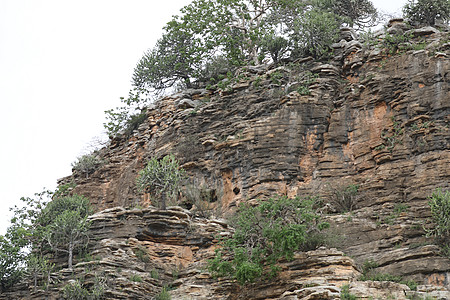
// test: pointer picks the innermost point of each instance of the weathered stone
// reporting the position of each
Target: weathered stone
(424, 31)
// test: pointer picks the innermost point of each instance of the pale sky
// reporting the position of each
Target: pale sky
(62, 64)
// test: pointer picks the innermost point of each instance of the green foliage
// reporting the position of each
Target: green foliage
(163, 295)
(274, 229)
(11, 255)
(141, 254)
(38, 228)
(439, 203)
(154, 274)
(209, 37)
(276, 46)
(359, 13)
(161, 178)
(426, 12)
(344, 198)
(397, 42)
(135, 278)
(66, 224)
(88, 163)
(345, 293)
(440, 214)
(75, 291)
(314, 32)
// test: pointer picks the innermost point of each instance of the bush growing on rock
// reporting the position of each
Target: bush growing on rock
(265, 233)
(87, 163)
(161, 178)
(440, 216)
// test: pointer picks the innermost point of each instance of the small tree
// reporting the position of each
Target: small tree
(161, 178)
(426, 12)
(66, 224)
(274, 229)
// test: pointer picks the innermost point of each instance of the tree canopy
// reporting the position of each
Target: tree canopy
(427, 12)
(239, 31)
(48, 223)
(212, 37)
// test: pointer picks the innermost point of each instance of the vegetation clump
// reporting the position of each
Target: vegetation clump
(426, 12)
(161, 178)
(265, 233)
(440, 217)
(88, 163)
(39, 231)
(209, 40)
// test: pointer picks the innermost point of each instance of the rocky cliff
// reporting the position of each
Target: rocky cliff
(376, 116)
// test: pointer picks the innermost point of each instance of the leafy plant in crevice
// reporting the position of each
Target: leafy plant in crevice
(393, 135)
(345, 293)
(141, 254)
(439, 203)
(135, 278)
(161, 178)
(265, 233)
(397, 42)
(343, 197)
(88, 163)
(77, 290)
(163, 295)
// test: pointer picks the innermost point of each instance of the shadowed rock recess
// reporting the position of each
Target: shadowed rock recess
(370, 118)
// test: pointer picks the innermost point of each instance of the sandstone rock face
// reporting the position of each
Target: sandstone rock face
(370, 118)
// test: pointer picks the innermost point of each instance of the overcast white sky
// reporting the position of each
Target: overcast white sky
(62, 64)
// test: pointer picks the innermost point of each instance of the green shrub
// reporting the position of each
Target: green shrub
(87, 163)
(440, 217)
(75, 291)
(344, 198)
(154, 274)
(440, 214)
(136, 278)
(274, 229)
(163, 295)
(345, 293)
(141, 254)
(161, 178)
(133, 122)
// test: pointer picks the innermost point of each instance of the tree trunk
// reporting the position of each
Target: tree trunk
(163, 201)
(70, 255)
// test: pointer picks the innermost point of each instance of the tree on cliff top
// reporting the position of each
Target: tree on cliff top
(426, 12)
(238, 30)
(222, 35)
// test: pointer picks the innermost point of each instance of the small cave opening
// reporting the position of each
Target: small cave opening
(236, 190)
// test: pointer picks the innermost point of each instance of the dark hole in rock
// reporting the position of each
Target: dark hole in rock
(236, 190)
